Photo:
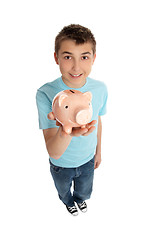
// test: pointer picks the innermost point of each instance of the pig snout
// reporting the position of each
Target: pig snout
(83, 116)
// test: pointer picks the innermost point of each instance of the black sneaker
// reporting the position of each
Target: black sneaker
(82, 206)
(73, 210)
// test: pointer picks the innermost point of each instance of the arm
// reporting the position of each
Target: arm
(98, 148)
(57, 140)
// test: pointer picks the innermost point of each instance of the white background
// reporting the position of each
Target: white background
(125, 202)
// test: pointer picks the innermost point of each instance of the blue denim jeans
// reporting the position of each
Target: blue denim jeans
(81, 177)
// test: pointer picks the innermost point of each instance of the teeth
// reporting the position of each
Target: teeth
(74, 75)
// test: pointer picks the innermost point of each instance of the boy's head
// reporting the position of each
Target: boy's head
(75, 52)
(77, 33)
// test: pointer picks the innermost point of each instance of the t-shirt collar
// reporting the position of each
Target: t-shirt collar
(65, 87)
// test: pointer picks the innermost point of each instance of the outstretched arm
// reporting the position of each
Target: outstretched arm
(57, 141)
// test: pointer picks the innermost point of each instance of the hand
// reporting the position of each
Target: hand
(90, 128)
(97, 160)
(78, 131)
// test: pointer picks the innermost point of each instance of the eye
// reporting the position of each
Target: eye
(66, 107)
(84, 58)
(67, 57)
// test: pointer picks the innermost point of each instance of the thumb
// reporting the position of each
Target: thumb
(50, 116)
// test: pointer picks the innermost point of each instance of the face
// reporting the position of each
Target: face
(75, 62)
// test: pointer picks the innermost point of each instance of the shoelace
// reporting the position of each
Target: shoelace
(82, 205)
(72, 209)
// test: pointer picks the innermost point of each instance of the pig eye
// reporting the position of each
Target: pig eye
(66, 106)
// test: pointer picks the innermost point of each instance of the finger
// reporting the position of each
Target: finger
(62, 132)
(58, 124)
(91, 124)
(96, 165)
(90, 130)
(50, 116)
(79, 131)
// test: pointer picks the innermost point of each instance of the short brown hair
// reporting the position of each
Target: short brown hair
(77, 33)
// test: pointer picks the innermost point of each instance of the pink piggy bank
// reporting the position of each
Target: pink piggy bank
(71, 108)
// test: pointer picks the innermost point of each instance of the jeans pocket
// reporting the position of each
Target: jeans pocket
(92, 161)
(54, 168)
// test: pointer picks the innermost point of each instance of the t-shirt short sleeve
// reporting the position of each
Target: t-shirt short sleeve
(104, 95)
(44, 106)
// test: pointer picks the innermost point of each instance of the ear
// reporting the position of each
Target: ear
(62, 98)
(88, 95)
(94, 57)
(56, 58)
(51, 116)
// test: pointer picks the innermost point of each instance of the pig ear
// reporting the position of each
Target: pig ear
(61, 99)
(88, 95)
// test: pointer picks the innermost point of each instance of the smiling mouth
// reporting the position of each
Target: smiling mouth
(75, 75)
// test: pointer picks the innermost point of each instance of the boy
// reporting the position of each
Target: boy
(73, 157)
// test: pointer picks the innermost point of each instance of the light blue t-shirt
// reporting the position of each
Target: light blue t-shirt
(81, 149)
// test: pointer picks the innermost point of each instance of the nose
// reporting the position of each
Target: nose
(83, 116)
(76, 66)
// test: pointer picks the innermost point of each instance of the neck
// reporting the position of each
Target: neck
(74, 85)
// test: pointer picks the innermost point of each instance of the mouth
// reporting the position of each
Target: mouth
(76, 75)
